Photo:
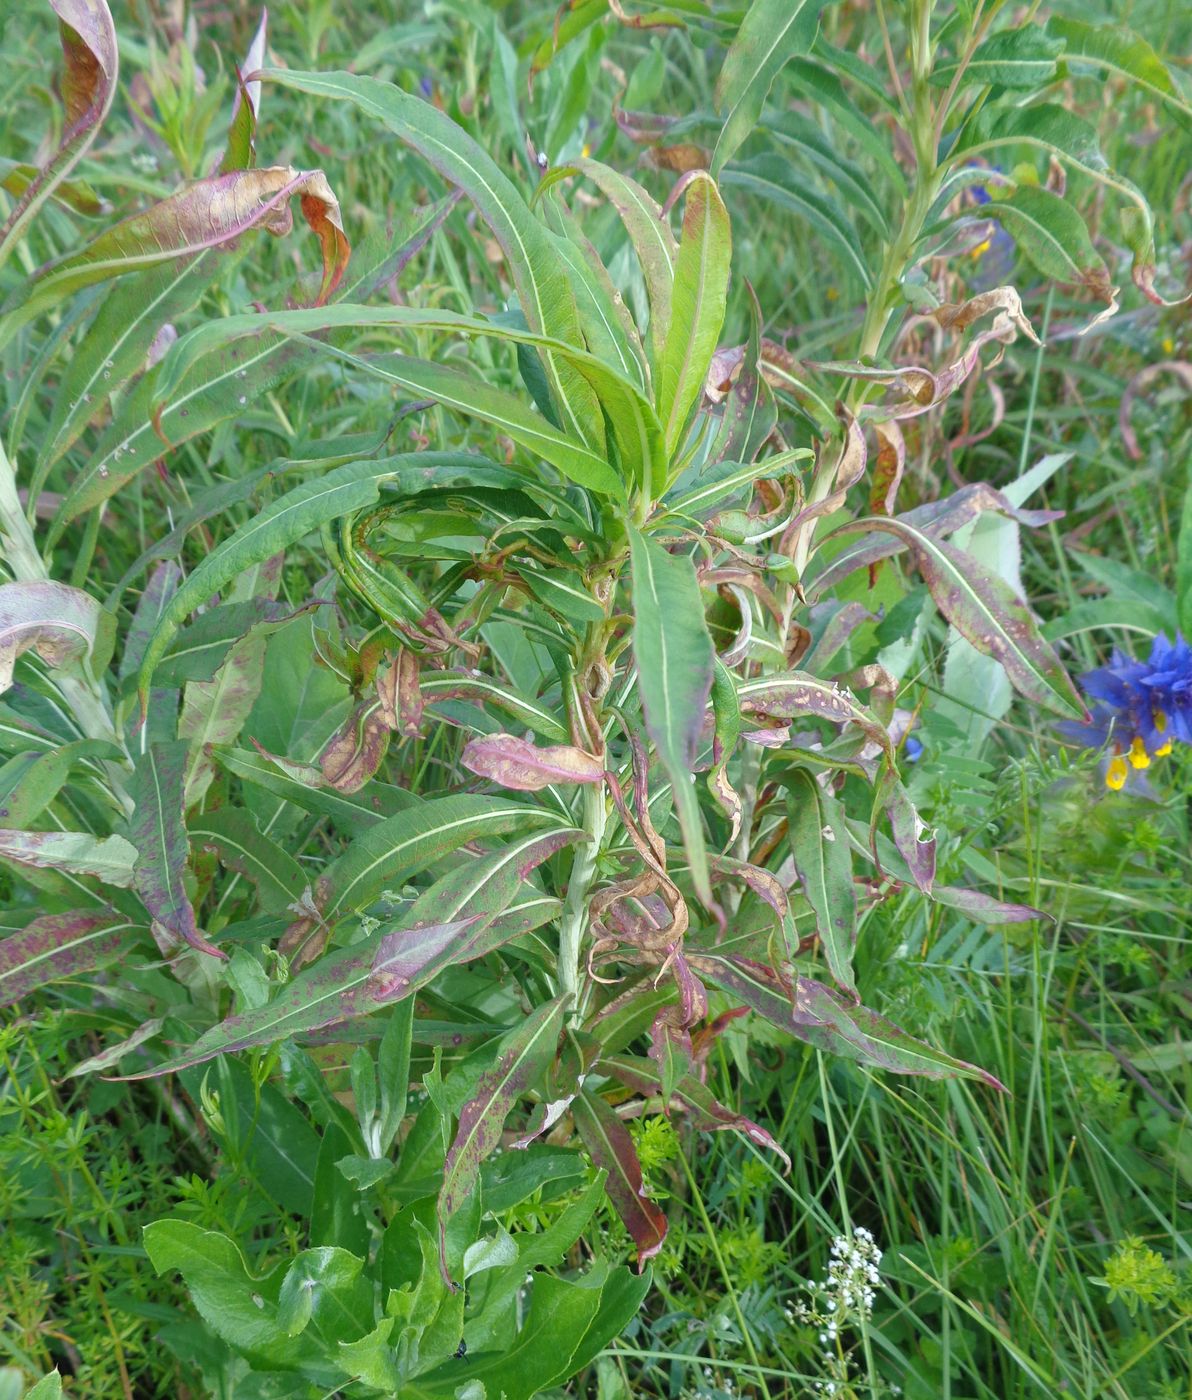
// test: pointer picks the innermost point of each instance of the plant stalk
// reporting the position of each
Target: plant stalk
(575, 907)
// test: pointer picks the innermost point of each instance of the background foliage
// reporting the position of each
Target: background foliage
(346, 562)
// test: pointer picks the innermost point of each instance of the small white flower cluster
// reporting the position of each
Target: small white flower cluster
(846, 1295)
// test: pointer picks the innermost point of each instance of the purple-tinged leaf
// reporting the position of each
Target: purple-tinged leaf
(516, 763)
(205, 214)
(907, 828)
(88, 85)
(983, 908)
(829, 1021)
(768, 888)
(162, 844)
(670, 1050)
(726, 712)
(215, 711)
(674, 657)
(607, 1140)
(522, 1059)
(108, 858)
(60, 945)
(400, 693)
(935, 519)
(989, 615)
(467, 914)
(357, 749)
(824, 864)
(796, 695)
(163, 584)
(691, 1097)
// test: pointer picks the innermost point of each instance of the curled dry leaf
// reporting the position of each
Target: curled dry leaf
(56, 621)
(88, 84)
(518, 764)
(357, 749)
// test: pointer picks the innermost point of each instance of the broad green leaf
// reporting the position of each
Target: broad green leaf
(673, 654)
(87, 86)
(539, 275)
(774, 179)
(697, 311)
(772, 33)
(48, 1388)
(60, 945)
(351, 812)
(611, 1148)
(445, 685)
(239, 1307)
(987, 613)
(466, 914)
(824, 865)
(324, 1291)
(233, 837)
(1119, 51)
(161, 844)
(1055, 238)
(522, 1058)
(1021, 59)
(30, 781)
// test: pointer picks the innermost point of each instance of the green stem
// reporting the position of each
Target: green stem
(575, 908)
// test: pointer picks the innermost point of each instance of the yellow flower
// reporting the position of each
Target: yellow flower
(980, 250)
(1115, 774)
(1168, 345)
(1139, 758)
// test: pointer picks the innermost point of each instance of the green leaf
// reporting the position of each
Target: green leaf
(351, 812)
(108, 858)
(538, 273)
(522, 1058)
(341, 492)
(772, 33)
(238, 1307)
(674, 655)
(323, 1290)
(824, 864)
(233, 837)
(1021, 59)
(48, 1388)
(1119, 51)
(697, 311)
(1055, 238)
(987, 612)
(774, 179)
(467, 913)
(161, 844)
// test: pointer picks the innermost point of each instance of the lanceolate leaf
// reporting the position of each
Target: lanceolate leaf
(1015, 58)
(108, 858)
(540, 277)
(611, 1147)
(1055, 238)
(162, 846)
(88, 85)
(823, 861)
(232, 835)
(202, 215)
(1120, 52)
(987, 613)
(674, 657)
(59, 945)
(402, 845)
(796, 694)
(697, 309)
(342, 491)
(522, 1059)
(468, 913)
(829, 1021)
(772, 32)
(514, 763)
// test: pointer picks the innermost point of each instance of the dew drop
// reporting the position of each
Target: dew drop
(243, 399)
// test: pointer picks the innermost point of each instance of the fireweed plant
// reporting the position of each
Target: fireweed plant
(579, 747)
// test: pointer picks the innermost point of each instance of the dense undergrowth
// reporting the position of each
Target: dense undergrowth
(366, 628)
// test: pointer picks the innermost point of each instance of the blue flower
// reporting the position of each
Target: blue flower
(1140, 708)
